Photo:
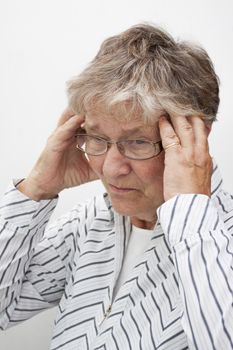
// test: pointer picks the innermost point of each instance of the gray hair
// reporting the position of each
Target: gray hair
(145, 70)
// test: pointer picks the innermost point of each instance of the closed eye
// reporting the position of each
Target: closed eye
(137, 142)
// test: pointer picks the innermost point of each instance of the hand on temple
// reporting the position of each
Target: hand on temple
(188, 164)
(60, 164)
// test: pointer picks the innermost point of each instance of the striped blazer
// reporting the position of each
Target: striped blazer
(178, 295)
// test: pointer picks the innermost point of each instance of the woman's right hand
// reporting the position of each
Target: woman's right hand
(60, 165)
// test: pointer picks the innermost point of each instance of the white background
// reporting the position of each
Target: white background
(44, 43)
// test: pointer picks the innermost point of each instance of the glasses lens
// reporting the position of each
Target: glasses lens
(91, 145)
(139, 149)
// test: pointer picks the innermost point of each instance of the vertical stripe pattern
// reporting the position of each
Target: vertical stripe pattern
(178, 295)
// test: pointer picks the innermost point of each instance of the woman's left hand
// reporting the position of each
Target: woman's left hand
(188, 164)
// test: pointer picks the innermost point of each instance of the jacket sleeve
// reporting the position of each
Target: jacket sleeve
(35, 260)
(199, 231)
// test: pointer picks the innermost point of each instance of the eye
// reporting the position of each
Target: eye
(137, 143)
(97, 140)
(140, 142)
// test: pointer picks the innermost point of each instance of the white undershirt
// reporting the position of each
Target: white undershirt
(138, 243)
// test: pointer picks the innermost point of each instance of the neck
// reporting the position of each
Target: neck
(147, 225)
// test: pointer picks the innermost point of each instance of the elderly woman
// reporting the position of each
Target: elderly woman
(148, 264)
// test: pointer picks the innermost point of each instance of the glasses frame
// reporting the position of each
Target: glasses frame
(120, 147)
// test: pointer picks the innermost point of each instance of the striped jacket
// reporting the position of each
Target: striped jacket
(178, 295)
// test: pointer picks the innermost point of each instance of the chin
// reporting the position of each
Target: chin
(127, 209)
(143, 210)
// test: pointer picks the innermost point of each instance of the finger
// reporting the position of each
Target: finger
(183, 129)
(66, 115)
(168, 135)
(64, 135)
(70, 127)
(200, 130)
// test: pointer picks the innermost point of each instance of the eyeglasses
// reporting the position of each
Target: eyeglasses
(132, 149)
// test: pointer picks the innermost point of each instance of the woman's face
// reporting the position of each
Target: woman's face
(134, 186)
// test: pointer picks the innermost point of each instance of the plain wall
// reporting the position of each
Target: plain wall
(44, 43)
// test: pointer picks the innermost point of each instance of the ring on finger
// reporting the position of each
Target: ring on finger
(171, 145)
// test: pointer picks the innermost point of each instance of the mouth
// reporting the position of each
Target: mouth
(116, 189)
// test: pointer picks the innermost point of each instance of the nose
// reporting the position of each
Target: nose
(115, 163)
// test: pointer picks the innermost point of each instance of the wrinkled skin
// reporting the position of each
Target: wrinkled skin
(137, 188)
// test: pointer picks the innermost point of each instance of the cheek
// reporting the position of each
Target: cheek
(96, 163)
(152, 171)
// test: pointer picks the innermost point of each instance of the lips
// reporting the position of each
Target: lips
(120, 189)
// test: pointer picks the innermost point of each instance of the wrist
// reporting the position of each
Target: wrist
(186, 211)
(32, 190)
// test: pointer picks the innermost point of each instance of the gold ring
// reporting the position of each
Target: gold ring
(171, 145)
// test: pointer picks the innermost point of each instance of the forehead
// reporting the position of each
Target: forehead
(110, 121)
